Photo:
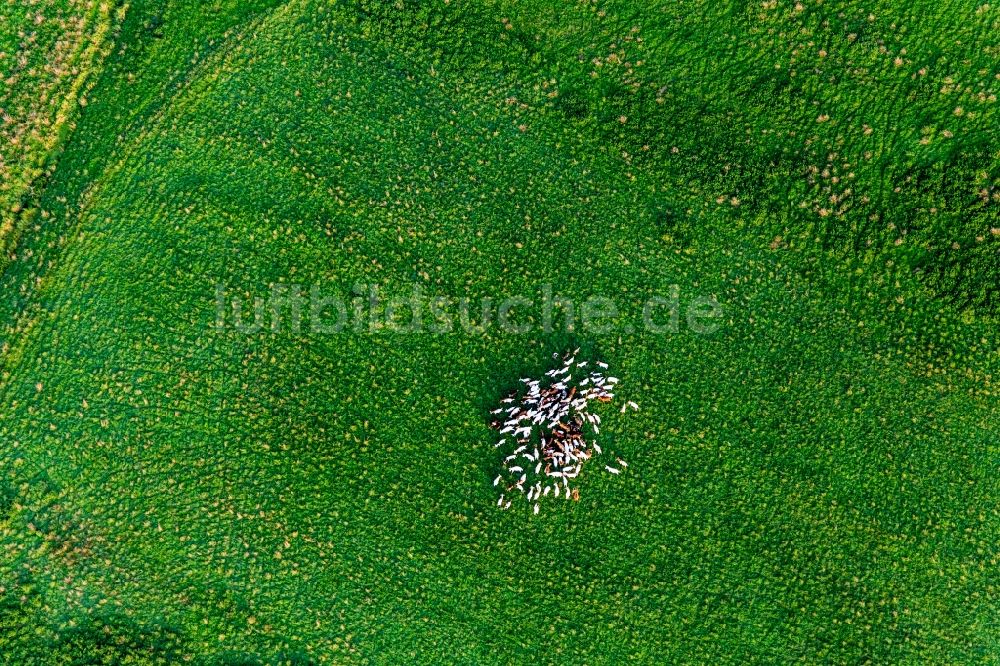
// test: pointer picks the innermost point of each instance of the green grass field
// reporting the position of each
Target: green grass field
(49, 52)
(816, 481)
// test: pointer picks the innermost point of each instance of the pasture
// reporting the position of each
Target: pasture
(813, 480)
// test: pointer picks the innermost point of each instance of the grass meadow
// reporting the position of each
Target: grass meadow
(816, 479)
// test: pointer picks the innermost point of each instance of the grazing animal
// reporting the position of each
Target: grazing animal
(552, 427)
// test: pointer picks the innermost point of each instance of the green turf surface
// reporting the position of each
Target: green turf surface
(816, 481)
(50, 51)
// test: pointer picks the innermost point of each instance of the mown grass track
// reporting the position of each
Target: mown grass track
(49, 52)
(814, 482)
